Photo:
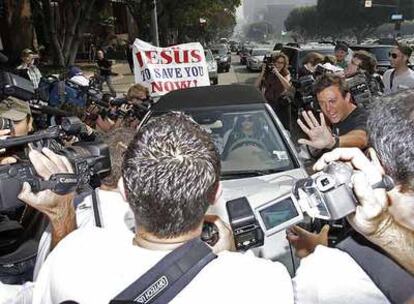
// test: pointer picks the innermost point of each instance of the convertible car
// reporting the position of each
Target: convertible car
(258, 159)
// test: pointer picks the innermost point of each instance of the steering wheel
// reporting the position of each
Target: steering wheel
(247, 142)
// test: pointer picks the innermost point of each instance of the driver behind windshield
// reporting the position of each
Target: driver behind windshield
(247, 132)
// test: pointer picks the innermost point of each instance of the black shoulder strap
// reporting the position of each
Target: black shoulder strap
(169, 276)
(392, 79)
(395, 282)
(95, 208)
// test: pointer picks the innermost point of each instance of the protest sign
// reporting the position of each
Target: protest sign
(167, 69)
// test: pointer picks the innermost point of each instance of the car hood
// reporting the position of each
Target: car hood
(258, 190)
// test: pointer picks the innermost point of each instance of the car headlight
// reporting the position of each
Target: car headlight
(255, 60)
(224, 58)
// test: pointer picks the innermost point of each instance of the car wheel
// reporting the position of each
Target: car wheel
(214, 81)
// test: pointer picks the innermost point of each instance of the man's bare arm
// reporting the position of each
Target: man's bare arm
(354, 139)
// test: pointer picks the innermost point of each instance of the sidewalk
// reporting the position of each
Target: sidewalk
(123, 81)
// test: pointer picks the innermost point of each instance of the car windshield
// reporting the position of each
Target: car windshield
(249, 142)
(259, 52)
(209, 56)
(220, 52)
(381, 53)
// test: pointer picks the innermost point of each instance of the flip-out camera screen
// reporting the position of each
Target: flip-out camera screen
(278, 213)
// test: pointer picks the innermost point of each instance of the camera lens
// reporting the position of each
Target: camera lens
(5, 123)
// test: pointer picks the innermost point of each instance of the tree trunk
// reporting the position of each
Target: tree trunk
(82, 24)
(67, 45)
(16, 28)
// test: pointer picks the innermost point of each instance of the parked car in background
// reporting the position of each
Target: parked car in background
(222, 55)
(296, 54)
(262, 167)
(212, 66)
(255, 60)
(381, 53)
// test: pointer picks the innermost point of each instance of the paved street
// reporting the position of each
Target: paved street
(238, 73)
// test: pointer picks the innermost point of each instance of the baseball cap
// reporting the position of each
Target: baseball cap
(14, 109)
(74, 71)
(27, 52)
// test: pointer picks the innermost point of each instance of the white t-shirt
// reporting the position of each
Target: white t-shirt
(330, 276)
(400, 82)
(115, 214)
(93, 265)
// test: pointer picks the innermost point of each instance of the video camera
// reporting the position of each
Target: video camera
(326, 195)
(90, 162)
(305, 99)
(359, 89)
(268, 61)
(16, 86)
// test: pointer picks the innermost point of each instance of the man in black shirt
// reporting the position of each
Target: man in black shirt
(346, 122)
(105, 72)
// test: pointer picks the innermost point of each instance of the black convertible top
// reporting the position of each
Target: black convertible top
(210, 96)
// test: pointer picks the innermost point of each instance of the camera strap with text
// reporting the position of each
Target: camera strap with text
(169, 276)
(396, 283)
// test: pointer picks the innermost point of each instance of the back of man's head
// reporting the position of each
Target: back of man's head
(391, 125)
(171, 173)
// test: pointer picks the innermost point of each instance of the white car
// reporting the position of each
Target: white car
(255, 59)
(258, 159)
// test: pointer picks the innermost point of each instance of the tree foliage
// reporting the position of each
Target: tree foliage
(343, 18)
(183, 18)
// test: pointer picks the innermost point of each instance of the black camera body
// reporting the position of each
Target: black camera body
(359, 89)
(16, 86)
(305, 99)
(268, 61)
(246, 229)
(90, 161)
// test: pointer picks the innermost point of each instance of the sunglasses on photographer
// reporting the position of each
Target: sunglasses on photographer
(393, 55)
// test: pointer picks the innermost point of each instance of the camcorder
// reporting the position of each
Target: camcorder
(268, 61)
(90, 162)
(326, 195)
(305, 99)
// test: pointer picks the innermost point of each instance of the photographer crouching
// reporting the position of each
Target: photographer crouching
(274, 82)
(376, 263)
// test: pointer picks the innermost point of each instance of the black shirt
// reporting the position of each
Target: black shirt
(104, 66)
(357, 120)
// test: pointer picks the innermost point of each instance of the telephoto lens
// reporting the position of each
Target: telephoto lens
(5, 123)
